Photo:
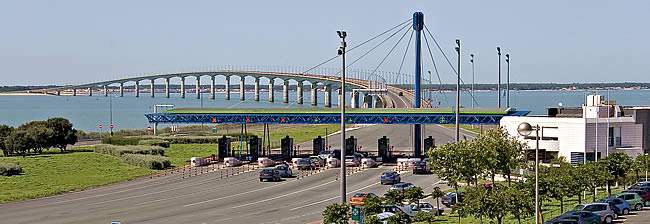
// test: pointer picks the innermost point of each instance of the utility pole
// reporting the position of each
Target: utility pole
(342, 34)
(458, 93)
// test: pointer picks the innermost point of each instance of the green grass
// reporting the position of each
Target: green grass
(53, 173)
(464, 126)
(180, 154)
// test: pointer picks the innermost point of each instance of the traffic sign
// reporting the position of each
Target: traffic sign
(111, 126)
(100, 126)
(149, 128)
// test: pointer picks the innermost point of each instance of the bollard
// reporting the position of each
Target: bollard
(157, 173)
(337, 175)
(220, 174)
(165, 171)
(196, 172)
(150, 174)
(183, 173)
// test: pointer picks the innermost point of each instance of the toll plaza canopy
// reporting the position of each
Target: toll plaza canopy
(333, 115)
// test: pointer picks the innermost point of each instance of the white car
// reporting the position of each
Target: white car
(430, 208)
(353, 160)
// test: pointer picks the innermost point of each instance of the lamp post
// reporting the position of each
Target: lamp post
(525, 129)
(342, 34)
(508, 81)
(499, 83)
(458, 93)
(471, 60)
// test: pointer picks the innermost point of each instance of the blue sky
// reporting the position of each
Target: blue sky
(73, 42)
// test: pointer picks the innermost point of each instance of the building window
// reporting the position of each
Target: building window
(611, 136)
(577, 158)
(590, 156)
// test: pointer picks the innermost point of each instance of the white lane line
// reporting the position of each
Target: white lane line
(285, 195)
(318, 202)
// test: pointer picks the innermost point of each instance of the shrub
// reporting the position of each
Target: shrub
(8, 169)
(118, 151)
(119, 140)
(147, 161)
(154, 142)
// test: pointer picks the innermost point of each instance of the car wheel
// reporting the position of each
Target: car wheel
(647, 203)
(261, 180)
(626, 211)
(608, 219)
(638, 207)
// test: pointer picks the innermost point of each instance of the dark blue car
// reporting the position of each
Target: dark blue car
(390, 177)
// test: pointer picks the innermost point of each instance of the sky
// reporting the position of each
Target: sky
(76, 42)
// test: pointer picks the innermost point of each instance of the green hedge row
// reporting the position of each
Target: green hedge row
(154, 142)
(8, 169)
(119, 140)
(118, 151)
(147, 161)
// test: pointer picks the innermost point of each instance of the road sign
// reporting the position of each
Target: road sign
(149, 128)
(100, 126)
(111, 126)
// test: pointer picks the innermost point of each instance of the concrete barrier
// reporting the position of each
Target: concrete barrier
(198, 161)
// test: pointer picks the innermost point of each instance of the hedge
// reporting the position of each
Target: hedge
(8, 169)
(119, 140)
(118, 151)
(154, 142)
(147, 161)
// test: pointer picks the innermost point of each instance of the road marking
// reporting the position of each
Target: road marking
(285, 195)
(318, 202)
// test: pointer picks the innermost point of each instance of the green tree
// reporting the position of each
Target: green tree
(372, 206)
(473, 203)
(371, 219)
(501, 152)
(496, 203)
(19, 141)
(393, 197)
(64, 134)
(414, 194)
(521, 201)
(39, 132)
(424, 218)
(595, 174)
(398, 218)
(644, 163)
(5, 131)
(437, 194)
(617, 164)
(336, 214)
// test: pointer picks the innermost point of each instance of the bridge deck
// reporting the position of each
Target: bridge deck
(332, 116)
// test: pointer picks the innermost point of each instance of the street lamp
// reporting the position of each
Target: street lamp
(508, 81)
(342, 34)
(499, 83)
(525, 129)
(472, 61)
(458, 93)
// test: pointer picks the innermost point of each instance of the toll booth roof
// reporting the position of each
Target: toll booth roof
(495, 111)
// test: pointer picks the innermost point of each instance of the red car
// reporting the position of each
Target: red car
(644, 195)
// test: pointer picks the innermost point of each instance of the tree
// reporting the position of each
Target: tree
(437, 194)
(559, 181)
(393, 197)
(473, 203)
(336, 214)
(40, 133)
(595, 175)
(64, 134)
(372, 206)
(521, 201)
(617, 164)
(424, 217)
(398, 218)
(414, 194)
(371, 219)
(19, 141)
(5, 131)
(644, 163)
(496, 203)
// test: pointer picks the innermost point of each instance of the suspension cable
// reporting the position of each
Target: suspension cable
(389, 52)
(435, 68)
(404, 57)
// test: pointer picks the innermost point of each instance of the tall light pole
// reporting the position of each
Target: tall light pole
(499, 83)
(458, 93)
(342, 34)
(471, 60)
(508, 81)
(525, 129)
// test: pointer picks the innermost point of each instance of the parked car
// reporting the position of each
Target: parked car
(285, 170)
(645, 195)
(409, 210)
(572, 219)
(390, 177)
(641, 184)
(589, 217)
(270, 174)
(623, 206)
(305, 164)
(634, 199)
(421, 167)
(450, 199)
(357, 199)
(604, 210)
(401, 187)
(384, 216)
(428, 207)
(353, 160)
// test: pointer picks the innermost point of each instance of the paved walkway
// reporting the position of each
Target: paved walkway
(640, 217)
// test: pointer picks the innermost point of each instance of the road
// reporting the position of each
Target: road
(202, 199)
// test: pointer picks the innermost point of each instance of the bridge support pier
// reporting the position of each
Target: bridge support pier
(271, 84)
(151, 90)
(299, 92)
(212, 87)
(105, 91)
(227, 87)
(314, 100)
(354, 99)
(167, 87)
(74, 92)
(257, 88)
(58, 92)
(285, 91)
(198, 87)
(121, 89)
(90, 91)
(183, 87)
(328, 96)
(340, 93)
(137, 88)
(242, 88)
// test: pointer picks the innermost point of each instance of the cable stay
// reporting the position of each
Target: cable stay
(408, 45)
(389, 52)
(435, 68)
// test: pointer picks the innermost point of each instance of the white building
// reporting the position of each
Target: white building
(571, 132)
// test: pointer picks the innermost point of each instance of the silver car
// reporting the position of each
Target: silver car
(604, 210)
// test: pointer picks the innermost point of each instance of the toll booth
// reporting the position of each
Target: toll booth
(383, 148)
(286, 144)
(429, 143)
(350, 145)
(224, 147)
(255, 147)
(318, 145)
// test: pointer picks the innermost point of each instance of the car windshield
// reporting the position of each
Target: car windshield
(359, 195)
(388, 174)
(421, 164)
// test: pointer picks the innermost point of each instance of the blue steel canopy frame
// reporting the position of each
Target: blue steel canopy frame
(330, 118)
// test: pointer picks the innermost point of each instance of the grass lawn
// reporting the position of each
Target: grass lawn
(53, 173)
(464, 126)
(180, 154)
